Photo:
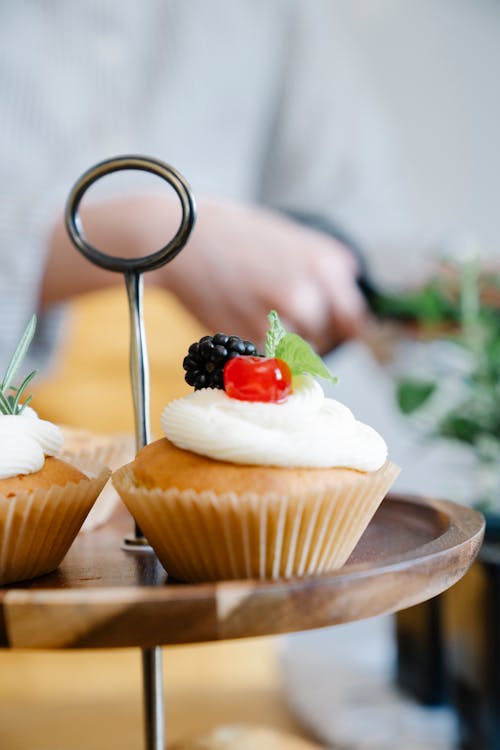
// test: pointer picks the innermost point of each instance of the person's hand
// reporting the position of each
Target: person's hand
(243, 261)
(240, 262)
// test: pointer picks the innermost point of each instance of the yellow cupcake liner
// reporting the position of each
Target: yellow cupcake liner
(204, 536)
(111, 450)
(37, 528)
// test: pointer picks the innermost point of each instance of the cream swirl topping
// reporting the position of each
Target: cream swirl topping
(307, 430)
(25, 440)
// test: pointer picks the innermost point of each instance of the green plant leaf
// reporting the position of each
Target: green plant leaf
(300, 357)
(412, 393)
(434, 303)
(19, 354)
(9, 403)
(5, 406)
(274, 334)
(19, 392)
(24, 405)
(460, 428)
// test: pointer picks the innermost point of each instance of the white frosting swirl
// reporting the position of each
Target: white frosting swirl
(25, 440)
(307, 430)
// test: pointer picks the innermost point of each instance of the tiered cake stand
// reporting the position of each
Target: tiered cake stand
(104, 596)
(109, 593)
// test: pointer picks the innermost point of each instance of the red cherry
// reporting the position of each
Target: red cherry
(257, 379)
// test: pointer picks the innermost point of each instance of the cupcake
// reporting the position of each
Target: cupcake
(259, 475)
(44, 500)
(109, 449)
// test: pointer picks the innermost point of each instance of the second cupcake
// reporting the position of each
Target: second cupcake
(43, 500)
(259, 475)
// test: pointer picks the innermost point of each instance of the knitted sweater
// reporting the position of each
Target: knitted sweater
(255, 100)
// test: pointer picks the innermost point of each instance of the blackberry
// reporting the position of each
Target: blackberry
(206, 358)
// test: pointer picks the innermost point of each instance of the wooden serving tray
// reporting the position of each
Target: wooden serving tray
(105, 596)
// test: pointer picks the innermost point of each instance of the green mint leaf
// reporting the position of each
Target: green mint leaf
(300, 357)
(274, 334)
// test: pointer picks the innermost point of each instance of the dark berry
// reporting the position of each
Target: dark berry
(191, 377)
(190, 363)
(235, 344)
(206, 348)
(250, 349)
(220, 338)
(218, 379)
(204, 363)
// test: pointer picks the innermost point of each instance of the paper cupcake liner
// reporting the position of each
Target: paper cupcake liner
(37, 528)
(111, 450)
(205, 536)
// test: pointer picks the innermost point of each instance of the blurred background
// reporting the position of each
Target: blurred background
(373, 128)
(430, 66)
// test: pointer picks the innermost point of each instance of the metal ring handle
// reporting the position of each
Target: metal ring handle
(132, 268)
(147, 262)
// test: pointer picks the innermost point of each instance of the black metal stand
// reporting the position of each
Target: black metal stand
(132, 268)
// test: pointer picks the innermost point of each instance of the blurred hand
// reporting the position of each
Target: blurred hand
(241, 261)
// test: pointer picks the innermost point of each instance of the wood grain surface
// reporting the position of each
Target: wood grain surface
(243, 737)
(105, 596)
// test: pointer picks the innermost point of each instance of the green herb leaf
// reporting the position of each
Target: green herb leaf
(19, 354)
(5, 407)
(10, 403)
(20, 391)
(24, 405)
(300, 357)
(292, 349)
(412, 394)
(275, 333)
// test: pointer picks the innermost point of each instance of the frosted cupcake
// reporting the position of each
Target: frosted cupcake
(43, 499)
(263, 477)
(108, 449)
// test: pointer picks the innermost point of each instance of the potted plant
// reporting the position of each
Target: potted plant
(450, 646)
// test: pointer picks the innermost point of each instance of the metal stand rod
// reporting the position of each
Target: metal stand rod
(132, 268)
(139, 363)
(139, 369)
(154, 713)
(152, 668)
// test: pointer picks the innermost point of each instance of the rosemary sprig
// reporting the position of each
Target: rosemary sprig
(10, 396)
